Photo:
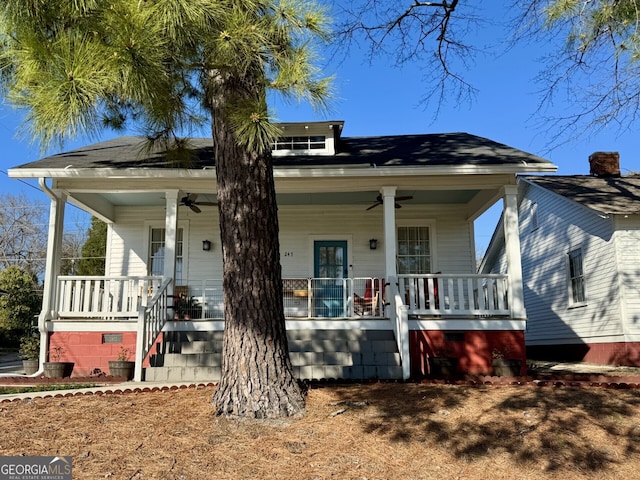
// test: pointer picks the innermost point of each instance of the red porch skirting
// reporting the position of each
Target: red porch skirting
(88, 351)
(473, 349)
(612, 353)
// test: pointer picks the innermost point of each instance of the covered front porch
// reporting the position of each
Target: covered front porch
(143, 305)
(180, 298)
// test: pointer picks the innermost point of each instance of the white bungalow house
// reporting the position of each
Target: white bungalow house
(377, 253)
(580, 242)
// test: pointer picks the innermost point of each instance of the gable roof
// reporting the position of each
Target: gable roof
(446, 149)
(608, 195)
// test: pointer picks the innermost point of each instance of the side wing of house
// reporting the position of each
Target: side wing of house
(570, 276)
(495, 257)
(627, 245)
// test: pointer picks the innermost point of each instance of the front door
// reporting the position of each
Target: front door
(330, 259)
(330, 266)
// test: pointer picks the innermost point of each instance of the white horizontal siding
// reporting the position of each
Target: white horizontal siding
(299, 226)
(563, 225)
(201, 265)
(127, 255)
(627, 241)
(130, 249)
(454, 240)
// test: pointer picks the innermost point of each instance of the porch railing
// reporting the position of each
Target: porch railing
(433, 294)
(104, 297)
(302, 298)
(455, 294)
(151, 321)
(121, 297)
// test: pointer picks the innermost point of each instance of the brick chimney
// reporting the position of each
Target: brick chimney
(604, 164)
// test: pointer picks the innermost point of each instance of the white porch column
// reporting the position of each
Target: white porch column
(171, 231)
(52, 263)
(397, 312)
(389, 205)
(512, 249)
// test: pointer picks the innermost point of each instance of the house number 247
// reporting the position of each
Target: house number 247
(288, 254)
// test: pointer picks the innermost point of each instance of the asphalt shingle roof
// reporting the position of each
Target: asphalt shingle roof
(609, 195)
(446, 149)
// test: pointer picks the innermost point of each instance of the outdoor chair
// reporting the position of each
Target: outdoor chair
(364, 305)
(368, 304)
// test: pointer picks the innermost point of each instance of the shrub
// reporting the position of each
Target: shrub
(30, 347)
(19, 306)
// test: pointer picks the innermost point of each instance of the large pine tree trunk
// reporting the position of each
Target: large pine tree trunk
(257, 379)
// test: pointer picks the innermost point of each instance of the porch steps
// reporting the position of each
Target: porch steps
(315, 354)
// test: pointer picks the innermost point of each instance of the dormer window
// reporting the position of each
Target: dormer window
(309, 138)
(300, 144)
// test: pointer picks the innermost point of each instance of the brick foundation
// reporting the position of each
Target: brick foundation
(87, 350)
(613, 353)
(473, 349)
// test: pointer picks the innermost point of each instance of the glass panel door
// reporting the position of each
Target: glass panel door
(330, 265)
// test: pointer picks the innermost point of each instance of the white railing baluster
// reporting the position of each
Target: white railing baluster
(309, 297)
(455, 294)
(76, 295)
(460, 297)
(450, 297)
(472, 295)
(102, 297)
(490, 297)
(482, 295)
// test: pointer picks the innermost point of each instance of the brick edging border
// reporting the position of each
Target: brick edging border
(106, 390)
(581, 381)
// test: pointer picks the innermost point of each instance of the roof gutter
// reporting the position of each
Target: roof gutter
(283, 172)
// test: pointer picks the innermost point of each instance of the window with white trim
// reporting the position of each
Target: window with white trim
(534, 216)
(414, 250)
(576, 277)
(308, 142)
(156, 253)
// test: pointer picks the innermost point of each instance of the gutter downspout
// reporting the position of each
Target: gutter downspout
(52, 267)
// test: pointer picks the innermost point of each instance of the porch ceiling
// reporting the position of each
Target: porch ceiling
(367, 198)
(424, 197)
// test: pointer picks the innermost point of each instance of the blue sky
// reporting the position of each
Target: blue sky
(379, 99)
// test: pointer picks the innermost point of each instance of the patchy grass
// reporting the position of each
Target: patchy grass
(376, 431)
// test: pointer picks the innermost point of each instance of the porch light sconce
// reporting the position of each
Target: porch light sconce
(373, 244)
(206, 245)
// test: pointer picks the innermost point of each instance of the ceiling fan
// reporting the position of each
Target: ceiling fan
(398, 199)
(189, 200)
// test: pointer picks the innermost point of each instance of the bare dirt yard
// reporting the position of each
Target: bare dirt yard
(371, 431)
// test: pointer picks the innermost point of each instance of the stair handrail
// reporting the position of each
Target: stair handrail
(400, 325)
(151, 321)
